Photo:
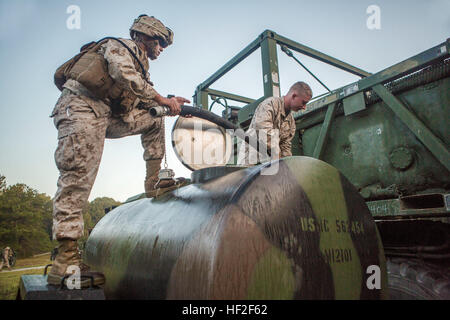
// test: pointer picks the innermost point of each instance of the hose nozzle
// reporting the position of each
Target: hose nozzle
(159, 111)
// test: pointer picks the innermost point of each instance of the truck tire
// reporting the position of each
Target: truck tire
(414, 279)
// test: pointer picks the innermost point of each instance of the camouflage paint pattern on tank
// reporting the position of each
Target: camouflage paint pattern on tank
(303, 233)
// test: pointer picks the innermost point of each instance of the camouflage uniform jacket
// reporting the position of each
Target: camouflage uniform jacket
(270, 117)
(83, 123)
(124, 70)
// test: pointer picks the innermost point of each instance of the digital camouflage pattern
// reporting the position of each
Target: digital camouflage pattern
(271, 119)
(4, 259)
(303, 233)
(83, 122)
(152, 27)
(126, 73)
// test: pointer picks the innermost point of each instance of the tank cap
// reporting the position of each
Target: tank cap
(401, 158)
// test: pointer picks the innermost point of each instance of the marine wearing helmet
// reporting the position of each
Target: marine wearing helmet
(106, 91)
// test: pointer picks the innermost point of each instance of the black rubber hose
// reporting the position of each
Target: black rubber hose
(208, 115)
(221, 122)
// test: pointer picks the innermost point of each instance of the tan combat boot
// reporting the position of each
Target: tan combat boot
(153, 188)
(68, 255)
(151, 177)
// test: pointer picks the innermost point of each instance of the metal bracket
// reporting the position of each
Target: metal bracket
(324, 131)
(354, 103)
(425, 135)
(46, 267)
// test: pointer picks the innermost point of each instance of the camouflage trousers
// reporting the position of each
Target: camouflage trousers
(81, 135)
(4, 261)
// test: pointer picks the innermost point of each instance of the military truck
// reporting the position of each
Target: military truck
(388, 133)
(360, 211)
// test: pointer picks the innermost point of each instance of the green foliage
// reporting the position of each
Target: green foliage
(23, 214)
(9, 283)
(97, 208)
(2, 183)
(93, 212)
(26, 218)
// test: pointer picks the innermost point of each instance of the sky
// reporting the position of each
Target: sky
(35, 40)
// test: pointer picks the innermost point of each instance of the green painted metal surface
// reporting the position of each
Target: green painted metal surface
(267, 41)
(422, 60)
(324, 131)
(271, 77)
(354, 103)
(293, 45)
(379, 153)
(421, 131)
(407, 66)
(227, 95)
(201, 99)
(411, 206)
(388, 132)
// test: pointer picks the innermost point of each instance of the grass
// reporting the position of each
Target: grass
(9, 281)
(33, 262)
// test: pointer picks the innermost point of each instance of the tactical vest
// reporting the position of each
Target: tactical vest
(90, 68)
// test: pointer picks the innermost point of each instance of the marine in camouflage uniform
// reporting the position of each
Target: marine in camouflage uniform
(85, 116)
(4, 260)
(274, 124)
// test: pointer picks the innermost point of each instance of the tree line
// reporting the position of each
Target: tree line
(26, 218)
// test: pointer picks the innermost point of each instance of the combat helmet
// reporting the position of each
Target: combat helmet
(152, 27)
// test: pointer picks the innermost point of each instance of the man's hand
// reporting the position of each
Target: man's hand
(183, 100)
(174, 103)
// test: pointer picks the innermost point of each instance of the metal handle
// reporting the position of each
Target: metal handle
(46, 267)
